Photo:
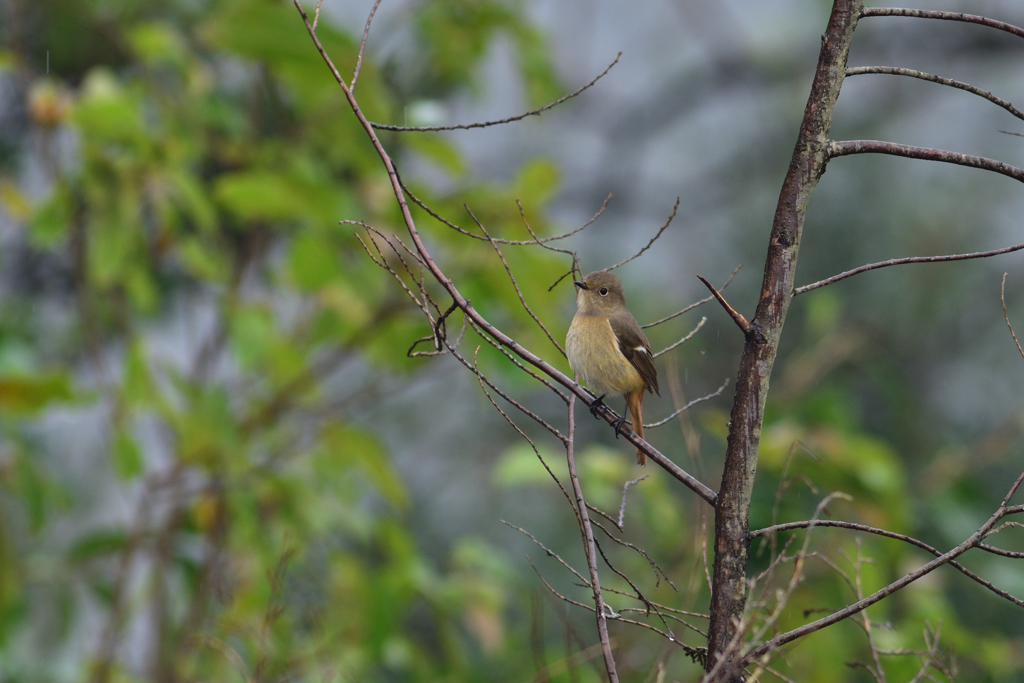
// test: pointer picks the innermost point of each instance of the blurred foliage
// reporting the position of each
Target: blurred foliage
(186, 333)
(179, 306)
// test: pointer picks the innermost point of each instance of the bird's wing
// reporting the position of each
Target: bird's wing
(634, 346)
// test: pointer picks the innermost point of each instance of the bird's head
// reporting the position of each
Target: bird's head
(599, 293)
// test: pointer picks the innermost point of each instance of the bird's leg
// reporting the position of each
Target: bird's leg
(597, 404)
(622, 419)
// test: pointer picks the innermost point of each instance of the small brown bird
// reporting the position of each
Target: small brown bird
(607, 348)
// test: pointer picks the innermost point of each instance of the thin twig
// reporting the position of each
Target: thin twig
(515, 284)
(549, 551)
(362, 43)
(696, 303)
(316, 14)
(485, 124)
(1006, 316)
(515, 361)
(903, 261)
(684, 339)
(523, 409)
(647, 246)
(536, 240)
(889, 534)
(659, 573)
(737, 317)
(689, 405)
(947, 16)
(914, 73)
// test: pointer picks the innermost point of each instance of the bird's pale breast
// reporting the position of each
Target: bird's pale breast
(594, 355)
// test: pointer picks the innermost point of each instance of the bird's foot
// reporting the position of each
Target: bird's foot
(618, 424)
(597, 404)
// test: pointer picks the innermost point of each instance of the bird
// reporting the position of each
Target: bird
(607, 348)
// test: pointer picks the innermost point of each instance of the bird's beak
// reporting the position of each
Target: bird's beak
(579, 284)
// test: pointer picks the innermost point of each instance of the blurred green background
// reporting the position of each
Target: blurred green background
(218, 463)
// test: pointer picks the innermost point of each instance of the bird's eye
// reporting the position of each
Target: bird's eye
(604, 291)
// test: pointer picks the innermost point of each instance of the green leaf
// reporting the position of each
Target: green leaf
(31, 393)
(313, 261)
(537, 182)
(52, 219)
(351, 446)
(519, 465)
(127, 455)
(137, 387)
(97, 544)
(158, 43)
(202, 260)
(440, 151)
(106, 113)
(258, 195)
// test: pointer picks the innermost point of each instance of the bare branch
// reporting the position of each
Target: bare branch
(900, 583)
(589, 547)
(485, 124)
(1006, 316)
(914, 73)
(846, 147)
(536, 240)
(549, 551)
(890, 534)
(568, 252)
(515, 361)
(684, 339)
(362, 43)
(523, 409)
(947, 16)
(659, 573)
(647, 246)
(737, 317)
(999, 551)
(695, 304)
(515, 285)
(903, 261)
(316, 14)
(692, 403)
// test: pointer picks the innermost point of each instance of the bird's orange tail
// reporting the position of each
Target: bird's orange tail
(635, 401)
